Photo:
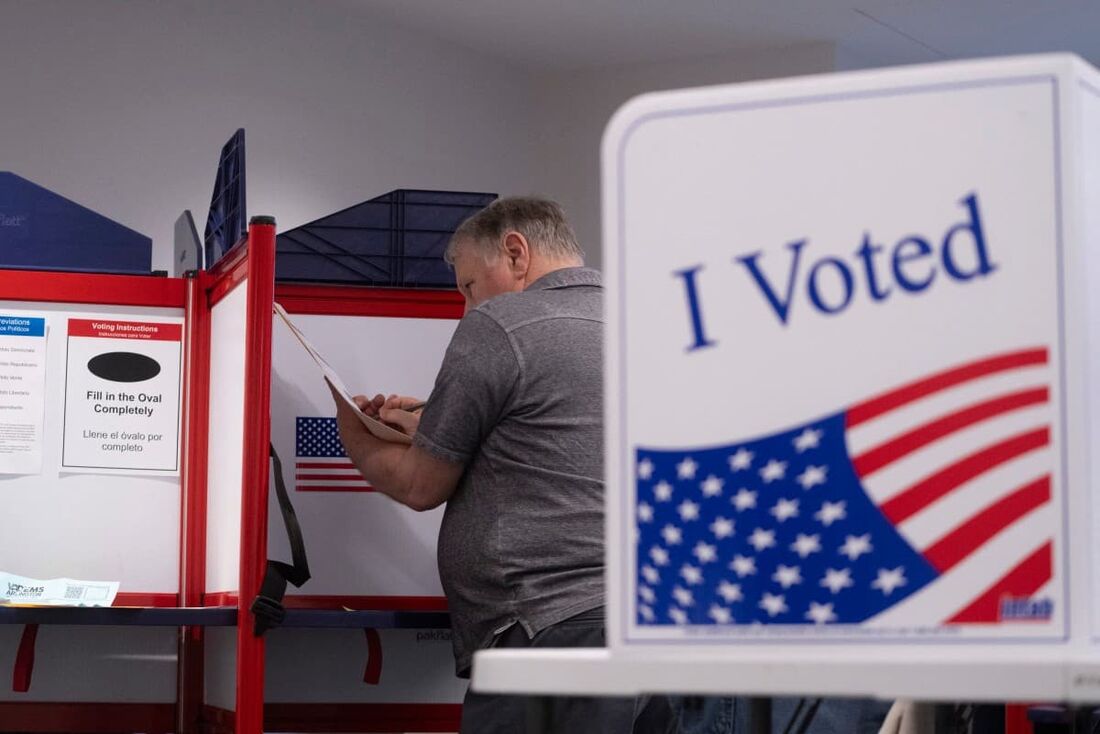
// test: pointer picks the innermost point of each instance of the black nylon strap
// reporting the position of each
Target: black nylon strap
(268, 605)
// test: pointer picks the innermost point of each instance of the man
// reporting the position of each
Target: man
(512, 440)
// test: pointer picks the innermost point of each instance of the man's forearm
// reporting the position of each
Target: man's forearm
(380, 463)
(404, 473)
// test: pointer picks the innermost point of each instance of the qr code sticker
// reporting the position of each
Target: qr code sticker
(74, 592)
(96, 593)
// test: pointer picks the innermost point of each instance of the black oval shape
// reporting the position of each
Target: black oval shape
(124, 367)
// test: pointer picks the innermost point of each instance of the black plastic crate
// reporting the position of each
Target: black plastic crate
(394, 240)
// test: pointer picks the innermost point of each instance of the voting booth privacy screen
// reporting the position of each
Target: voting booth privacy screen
(366, 551)
(362, 544)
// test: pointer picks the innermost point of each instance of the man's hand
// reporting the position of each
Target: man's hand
(370, 406)
(395, 410)
(408, 474)
(352, 430)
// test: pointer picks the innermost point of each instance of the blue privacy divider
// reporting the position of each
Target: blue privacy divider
(396, 239)
(42, 230)
(227, 222)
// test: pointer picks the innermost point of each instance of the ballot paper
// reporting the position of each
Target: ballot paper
(375, 426)
(23, 591)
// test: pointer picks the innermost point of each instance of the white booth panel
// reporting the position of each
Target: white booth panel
(220, 667)
(103, 664)
(107, 527)
(360, 543)
(326, 666)
(225, 443)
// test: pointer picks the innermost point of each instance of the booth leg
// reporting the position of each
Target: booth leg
(372, 673)
(24, 660)
(189, 681)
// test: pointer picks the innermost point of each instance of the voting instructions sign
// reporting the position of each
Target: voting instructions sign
(837, 359)
(122, 396)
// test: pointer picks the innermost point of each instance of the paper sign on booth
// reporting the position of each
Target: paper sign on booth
(22, 392)
(122, 397)
(64, 592)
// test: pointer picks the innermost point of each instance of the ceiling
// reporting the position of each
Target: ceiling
(544, 35)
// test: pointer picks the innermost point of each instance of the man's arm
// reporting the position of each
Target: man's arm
(471, 394)
(408, 474)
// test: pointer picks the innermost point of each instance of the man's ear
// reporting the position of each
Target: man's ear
(517, 253)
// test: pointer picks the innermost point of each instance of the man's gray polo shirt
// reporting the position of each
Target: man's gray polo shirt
(519, 402)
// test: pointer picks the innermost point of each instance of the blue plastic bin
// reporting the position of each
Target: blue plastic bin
(394, 240)
(41, 230)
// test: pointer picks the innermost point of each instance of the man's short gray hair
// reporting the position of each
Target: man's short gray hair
(541, 221)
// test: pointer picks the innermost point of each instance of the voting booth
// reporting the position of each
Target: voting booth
(366, 552)
(137, 418)
(135, 451)
(88, 493)
(145, 461)
(874, 298)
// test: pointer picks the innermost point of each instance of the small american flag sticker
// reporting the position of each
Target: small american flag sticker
(321, 464)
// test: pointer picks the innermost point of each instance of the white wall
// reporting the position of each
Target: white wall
(849, 60)
(124, 106)
(574, 108)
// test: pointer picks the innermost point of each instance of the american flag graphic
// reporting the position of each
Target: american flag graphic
(927, 505)
(321, 464)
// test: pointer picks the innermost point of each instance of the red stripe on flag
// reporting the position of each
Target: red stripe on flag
(914, 499)
(884, 454)
(946, 552)
(886, 402)
(1023, 581)
(349, 487)
(341, 476)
